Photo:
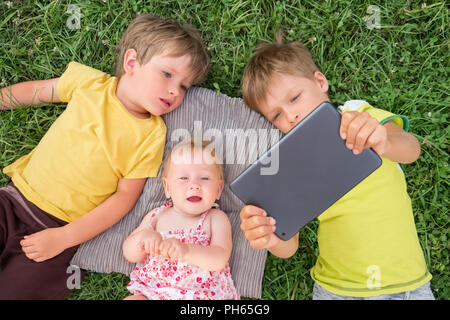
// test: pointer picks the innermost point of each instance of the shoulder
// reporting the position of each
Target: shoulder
(75, 69)
(218, 217)
(79, 76)
(149, 217)
(155, 213)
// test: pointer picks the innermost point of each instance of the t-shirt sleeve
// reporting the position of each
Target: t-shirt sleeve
(78, 76)
(150, 158)
(381, 115)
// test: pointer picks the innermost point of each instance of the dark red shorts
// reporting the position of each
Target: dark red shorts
(20, 277)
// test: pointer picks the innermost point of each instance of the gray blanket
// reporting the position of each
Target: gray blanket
(216, 117)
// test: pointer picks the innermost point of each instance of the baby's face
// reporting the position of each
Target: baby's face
(291, 98)
(193, 183)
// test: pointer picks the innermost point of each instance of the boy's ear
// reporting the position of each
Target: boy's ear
(166, 187)
(129, 61)
(321, 80)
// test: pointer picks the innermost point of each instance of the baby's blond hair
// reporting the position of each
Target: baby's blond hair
(269, 58)
(151, 35)
(192, 145)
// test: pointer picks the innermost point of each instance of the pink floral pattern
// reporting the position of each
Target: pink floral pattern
(160, 278)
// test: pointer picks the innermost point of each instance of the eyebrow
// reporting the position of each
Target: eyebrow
(185, 82)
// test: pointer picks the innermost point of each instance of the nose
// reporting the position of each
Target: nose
(293, 117)
(194, 186)
(173, 91)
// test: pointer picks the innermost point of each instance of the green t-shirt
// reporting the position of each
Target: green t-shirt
(368, 240)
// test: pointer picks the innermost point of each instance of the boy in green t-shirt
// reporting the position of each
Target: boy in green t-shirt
(367, 240)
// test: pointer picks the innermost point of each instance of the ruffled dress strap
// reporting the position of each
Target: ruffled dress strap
(203, 216)
(158, 210)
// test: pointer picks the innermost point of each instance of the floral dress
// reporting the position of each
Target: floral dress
(159, 278)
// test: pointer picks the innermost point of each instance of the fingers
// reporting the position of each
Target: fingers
(257, 227)
(249, 211)
(366, 129)
(150, 241)
(260, 229)
(170, 248)
(163, 248)
(260, 243)
(357, 128)
(173, 252)
(378, 140)
(31, 252)
(154, 247)
(151, 246)
(253, 217)
(346, 119)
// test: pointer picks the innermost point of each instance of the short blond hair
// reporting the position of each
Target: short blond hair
(270, 58)
(192, 145)
(150, 35)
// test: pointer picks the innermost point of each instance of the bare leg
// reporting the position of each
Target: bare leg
(136, 297)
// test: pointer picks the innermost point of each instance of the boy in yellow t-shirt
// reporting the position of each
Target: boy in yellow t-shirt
(90, 167)
(368, 242)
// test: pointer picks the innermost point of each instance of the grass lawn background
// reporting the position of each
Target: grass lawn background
(402, 66)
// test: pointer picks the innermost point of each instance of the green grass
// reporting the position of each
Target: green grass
(402, 67)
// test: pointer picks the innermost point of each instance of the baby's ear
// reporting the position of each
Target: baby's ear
(166, 187)
(221, 185)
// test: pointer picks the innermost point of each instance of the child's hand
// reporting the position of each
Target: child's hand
(173, 249)
(362, 131)
(150, 242)
(43, 245)
(258, 228)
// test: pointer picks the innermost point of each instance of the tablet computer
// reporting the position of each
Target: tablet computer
(315, 170)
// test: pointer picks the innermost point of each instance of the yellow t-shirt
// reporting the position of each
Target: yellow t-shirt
(93, 143)
(368, 240)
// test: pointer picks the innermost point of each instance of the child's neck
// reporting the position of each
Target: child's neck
(183, 214)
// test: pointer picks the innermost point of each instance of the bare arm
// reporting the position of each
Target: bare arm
(29, 93)
(402, 147)
(285, 249)
(259, 230)
(215, 256)
(50, 242)
(360, 130)
(134, 247)
(106, 214)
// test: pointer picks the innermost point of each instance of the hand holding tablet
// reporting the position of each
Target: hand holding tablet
(315, 170)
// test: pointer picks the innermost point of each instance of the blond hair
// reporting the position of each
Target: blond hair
(151, 35)
(269, 58)
(192, 145)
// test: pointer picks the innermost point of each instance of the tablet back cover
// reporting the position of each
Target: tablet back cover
(315, 170)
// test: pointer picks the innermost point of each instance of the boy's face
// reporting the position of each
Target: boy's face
(158, 86)
(291, 98)
(194, 185)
